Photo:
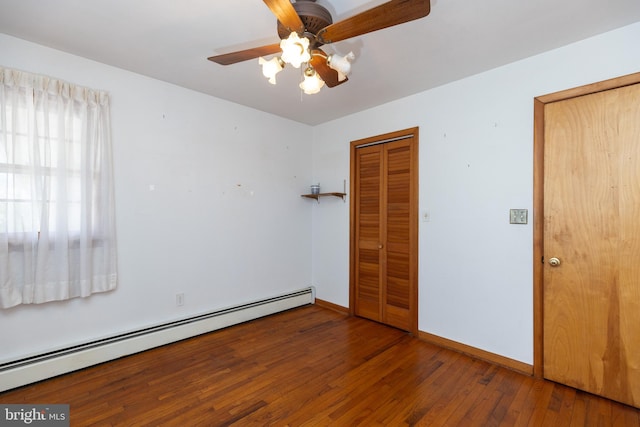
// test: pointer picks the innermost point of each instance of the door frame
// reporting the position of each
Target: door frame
(538, 200)
(374, 140)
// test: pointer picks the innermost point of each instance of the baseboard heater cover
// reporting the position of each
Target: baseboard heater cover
(47, 365)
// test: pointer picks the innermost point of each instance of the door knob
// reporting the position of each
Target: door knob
(554, 262)
(380, 246)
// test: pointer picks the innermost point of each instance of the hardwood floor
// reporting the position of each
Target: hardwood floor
(316, 367)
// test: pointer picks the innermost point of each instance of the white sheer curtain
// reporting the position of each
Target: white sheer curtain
(57, 223)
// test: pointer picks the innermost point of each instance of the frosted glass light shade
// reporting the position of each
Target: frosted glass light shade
(271, 68)
(312, 82)
(342, 64)
(295, 50)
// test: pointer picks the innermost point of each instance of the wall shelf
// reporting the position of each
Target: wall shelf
(342, 195)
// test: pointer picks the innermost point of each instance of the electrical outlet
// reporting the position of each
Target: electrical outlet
(179, 299)
(518, 216)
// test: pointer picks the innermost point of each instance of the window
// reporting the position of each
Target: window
(18, 176)
(57, 226)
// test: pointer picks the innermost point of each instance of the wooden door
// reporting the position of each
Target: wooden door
(591, 299)
(384, 229)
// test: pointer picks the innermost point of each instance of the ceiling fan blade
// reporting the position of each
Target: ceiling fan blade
(386, 15)
(319, 63)
(244, 55)
(286, 14)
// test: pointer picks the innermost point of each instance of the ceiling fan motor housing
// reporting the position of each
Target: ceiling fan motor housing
(314, 17)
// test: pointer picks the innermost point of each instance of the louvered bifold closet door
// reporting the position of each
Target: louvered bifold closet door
(386, 234)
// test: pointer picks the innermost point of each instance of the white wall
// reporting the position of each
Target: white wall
(224, 225)
(476, 162)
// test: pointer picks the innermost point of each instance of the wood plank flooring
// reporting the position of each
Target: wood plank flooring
(312, 366)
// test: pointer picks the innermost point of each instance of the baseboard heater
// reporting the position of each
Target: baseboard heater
(47, 365)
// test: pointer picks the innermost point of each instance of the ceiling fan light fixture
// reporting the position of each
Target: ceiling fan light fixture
(271, 67)
(304, 26)
(342, 64)
(295, 50)
(312, 83)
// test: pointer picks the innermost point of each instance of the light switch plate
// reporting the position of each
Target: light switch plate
(518, 216)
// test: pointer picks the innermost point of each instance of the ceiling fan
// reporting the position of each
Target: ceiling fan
(304, 26)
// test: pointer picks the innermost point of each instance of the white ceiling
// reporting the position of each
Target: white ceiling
(170, 41)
